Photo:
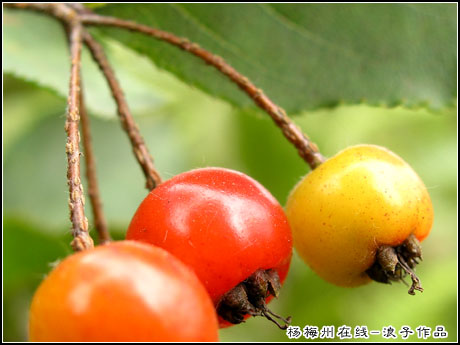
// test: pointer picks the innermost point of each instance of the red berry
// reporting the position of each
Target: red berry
(122, 291)
(223, 224)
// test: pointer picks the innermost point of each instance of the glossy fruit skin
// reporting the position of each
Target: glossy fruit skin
(222, 223)
(341, 212)
(122, 291)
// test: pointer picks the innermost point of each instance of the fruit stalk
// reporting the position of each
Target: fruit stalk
(81, 240)
(72, 13)
(140, 150)
(100, 222)
(68, 12)
(305, 147)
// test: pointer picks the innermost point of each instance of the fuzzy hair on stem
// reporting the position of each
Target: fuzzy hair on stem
(82, 240)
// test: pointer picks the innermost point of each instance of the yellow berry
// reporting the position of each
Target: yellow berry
(357, 201)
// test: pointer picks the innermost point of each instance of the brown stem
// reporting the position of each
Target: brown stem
(306, 148)
(73, 13)
(100, 222)
(81, 240)
(140, 150)
(93, 188)
(60, 11)
(129, 125)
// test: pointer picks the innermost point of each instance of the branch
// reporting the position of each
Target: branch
(66, 12)
(82, 240)
(306, 148)
(69, 13)
(100, 222)
(60, 11)
(139, 148)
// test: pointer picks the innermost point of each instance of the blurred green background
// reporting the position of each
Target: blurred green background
(185, 129)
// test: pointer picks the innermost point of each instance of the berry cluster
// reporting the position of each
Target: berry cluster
(211, 247)
(206, 248)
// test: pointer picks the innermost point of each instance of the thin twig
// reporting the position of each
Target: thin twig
(72, 13)
(100, 222)
(306, 148)
(82, 240)
(93, 188)
(60, 11)
(139, 148)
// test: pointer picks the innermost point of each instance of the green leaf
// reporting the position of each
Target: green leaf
(94, 5)
(35, 50)
(308, 55)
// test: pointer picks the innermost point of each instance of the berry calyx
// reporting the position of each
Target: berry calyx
(394, 263)
(249, 297)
